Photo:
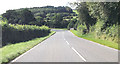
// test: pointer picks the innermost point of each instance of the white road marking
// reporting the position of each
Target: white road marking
(75, 50)
(95, 42)
(65, 39)
(79, 54)
(67, 42)
(24, 53)
(103, 46)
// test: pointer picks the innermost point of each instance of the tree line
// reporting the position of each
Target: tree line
(54, 17)
(23, 24)
(98, 18)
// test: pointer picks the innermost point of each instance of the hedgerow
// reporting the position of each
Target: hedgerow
(110, 33)
(13, 33)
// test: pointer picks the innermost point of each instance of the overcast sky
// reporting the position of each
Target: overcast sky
(16, 4)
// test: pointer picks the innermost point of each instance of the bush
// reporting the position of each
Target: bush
(82, 29)
(72, 23)
(13, 33)
(112, 33)
(109, 33)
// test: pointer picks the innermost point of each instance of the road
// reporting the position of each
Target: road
(64, 46)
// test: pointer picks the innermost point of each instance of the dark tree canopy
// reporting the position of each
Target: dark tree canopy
(54, 17)
(26, 16)
(22, 17)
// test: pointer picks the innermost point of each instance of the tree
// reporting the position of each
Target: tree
(57, 20)
(68, 9)
(12, 16)
(84, 16)
(104, 11)
(118, 8)
(48, 15)
(72, 23)
(26, 16)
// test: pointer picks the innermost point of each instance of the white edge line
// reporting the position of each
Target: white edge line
(23, 54)
(79, 54)
(96, 43)
(103, 46)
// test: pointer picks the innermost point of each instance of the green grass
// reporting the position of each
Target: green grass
(12, 51)
(91, 38)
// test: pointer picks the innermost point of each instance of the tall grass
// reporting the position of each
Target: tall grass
(12, 33)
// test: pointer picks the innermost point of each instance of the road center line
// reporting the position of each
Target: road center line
(67, 42)
(78, 54)
(75, 50)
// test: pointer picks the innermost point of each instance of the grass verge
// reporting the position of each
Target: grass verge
(100, 41)
(12, 51)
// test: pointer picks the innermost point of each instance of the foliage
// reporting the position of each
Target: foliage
(51, 9)
(100, 41)
(82, 29)
(57, 20)
(75, 11)
(106, 11)
(12, 33)
(12, 51)
(84, 16)
(54, 17)
(100, 19)
(39, 21)
(41, 16)
(21, 17)
(26, 16)
(106, 16)
(71, 24)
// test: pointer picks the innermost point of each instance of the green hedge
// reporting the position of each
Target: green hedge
(13, 33)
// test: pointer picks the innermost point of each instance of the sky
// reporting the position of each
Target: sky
(16, 4)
